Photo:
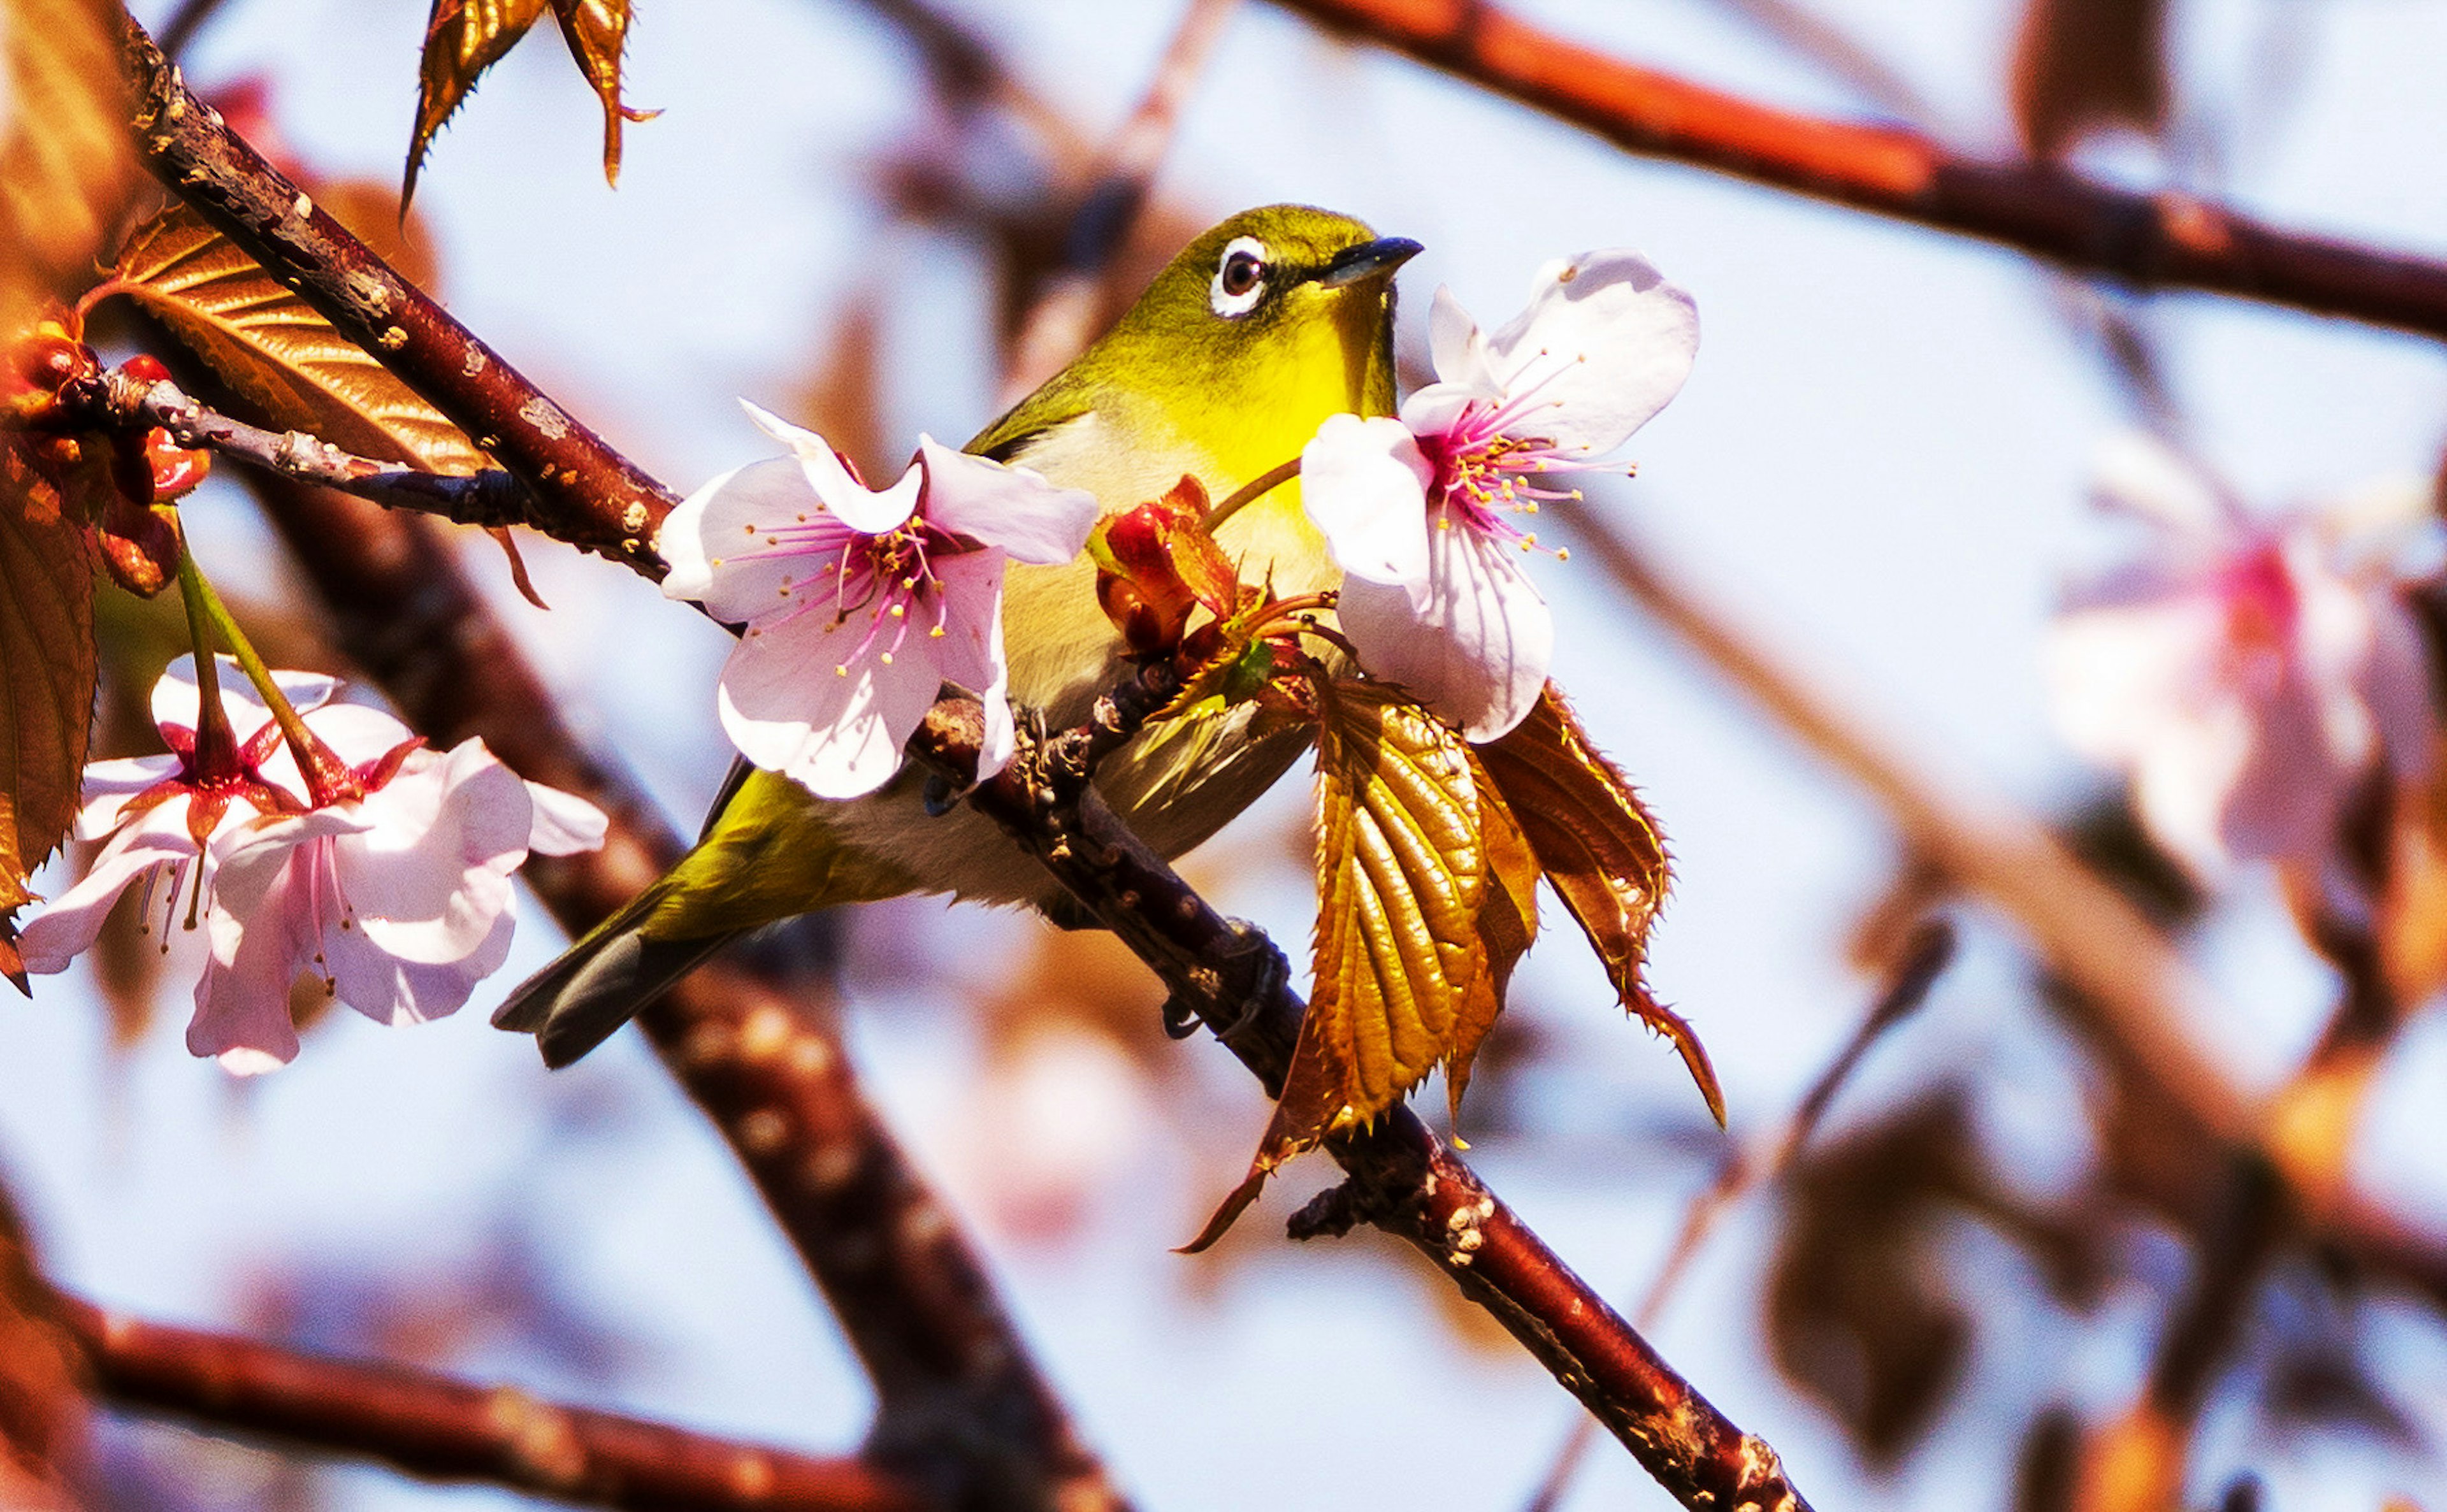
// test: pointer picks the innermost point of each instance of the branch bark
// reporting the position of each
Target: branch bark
(584, 492)
(2161, 241)
(442, 1428)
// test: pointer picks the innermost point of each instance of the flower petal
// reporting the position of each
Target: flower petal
(565, 825)
(176, 700)
(1364, 483)
(1604, 343)
(1457, 349)
(428, 877)
(836, 734)
(356, 733)
(721, 549)
(970, 651)
(399, 993)
(1011, 507)
(1475, 650)
(109, 785)
(2138, 474)
(66, 926)
(860, 508)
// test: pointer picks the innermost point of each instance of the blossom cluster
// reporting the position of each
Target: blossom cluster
(395, 893)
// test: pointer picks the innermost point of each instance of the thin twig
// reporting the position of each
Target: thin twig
(2168, 240)
(442, 1428)
(1061, 320)
(1925, 957)
(584, 492)
(491, 498)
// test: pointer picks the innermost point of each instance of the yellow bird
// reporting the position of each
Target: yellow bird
(1221, 371)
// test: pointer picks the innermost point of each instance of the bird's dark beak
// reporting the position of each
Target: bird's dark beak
(1370, 260)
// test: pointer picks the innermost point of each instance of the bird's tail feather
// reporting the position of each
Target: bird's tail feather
(603, 980)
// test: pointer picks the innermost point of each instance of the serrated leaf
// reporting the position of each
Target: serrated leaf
(273, 348)
(598, 32)
(1426, 900)
(463, 38)
(47, 673)
(65, 168)
(1602, 854)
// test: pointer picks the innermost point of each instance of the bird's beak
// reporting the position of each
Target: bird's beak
(1370, 260)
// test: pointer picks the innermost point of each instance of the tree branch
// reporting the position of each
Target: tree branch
(2168, 240)
(115, 401)
(442, 1428)
(1401, 1176)
(584, 492)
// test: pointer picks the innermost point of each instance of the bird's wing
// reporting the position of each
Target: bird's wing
(1009, 439)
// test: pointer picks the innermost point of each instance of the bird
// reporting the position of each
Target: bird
(1222, 371)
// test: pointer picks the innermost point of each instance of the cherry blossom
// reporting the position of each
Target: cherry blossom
(2246, 673)
(159, 816)
(857, 605)
(399, 899)
(395, 893)
(1422, 512)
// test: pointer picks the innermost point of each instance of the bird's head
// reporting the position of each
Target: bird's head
(1284, 310)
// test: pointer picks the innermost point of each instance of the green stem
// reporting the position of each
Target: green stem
(216, 743)
(1256, 488)
(327, 779)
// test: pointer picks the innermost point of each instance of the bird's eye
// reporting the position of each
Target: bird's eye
(1239, 278)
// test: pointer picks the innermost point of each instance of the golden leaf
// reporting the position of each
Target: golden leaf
(463, 38)
(1426, 900)
(66, 169)
(273, 348)
(1601, 851)
(2412, 925)
(596, 32)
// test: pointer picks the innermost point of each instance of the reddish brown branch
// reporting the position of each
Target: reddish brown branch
(585, 493)
(2151, 241)
(433, 1425)
(1401, 1176)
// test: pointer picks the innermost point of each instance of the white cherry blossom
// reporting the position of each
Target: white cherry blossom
(857, 605)
(1422, 512)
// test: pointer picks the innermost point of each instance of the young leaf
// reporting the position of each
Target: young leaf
(596, 32)
(270, 345)
(1426, 889)
(47, 673)
(1601, 851)
(463, 38)
(2080, 66)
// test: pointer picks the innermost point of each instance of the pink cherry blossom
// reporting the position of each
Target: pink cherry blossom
(857, 605)
(400, 900)
(398, 897)
(1422, 511)
(159, 816)
(2246, 673)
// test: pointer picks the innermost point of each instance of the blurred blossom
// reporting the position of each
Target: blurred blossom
(859, 605)
(1420, 511)
(397, 895)
(2246, 673)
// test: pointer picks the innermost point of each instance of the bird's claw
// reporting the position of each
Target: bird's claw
(1257, 984)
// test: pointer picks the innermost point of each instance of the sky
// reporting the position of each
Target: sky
(1879, 466)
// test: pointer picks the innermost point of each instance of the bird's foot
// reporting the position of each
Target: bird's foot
(1253, 973)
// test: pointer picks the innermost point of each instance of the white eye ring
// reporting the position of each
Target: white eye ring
(1244, 258)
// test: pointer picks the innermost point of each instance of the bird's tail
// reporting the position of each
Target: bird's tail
(606, 978)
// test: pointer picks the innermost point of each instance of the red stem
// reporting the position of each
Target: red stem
(2168, 240)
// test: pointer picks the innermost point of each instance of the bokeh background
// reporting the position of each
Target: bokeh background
(1880, 468)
